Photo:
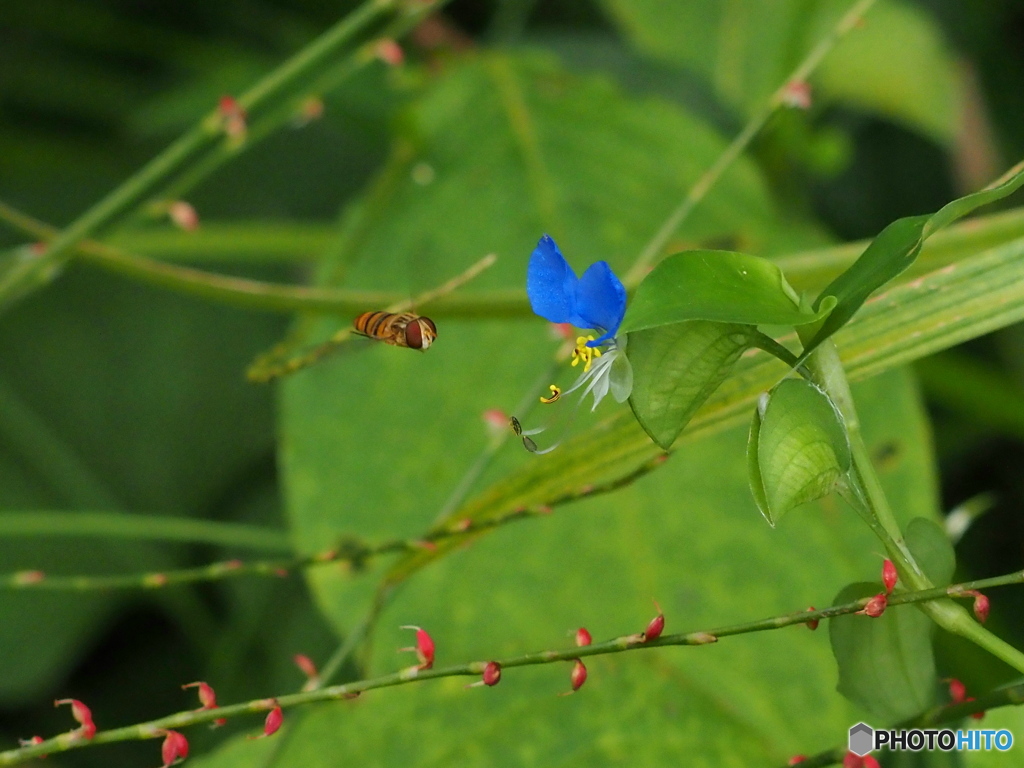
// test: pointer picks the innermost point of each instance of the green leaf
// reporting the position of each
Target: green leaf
(896, 64)
(885, 664)
(682, 535)
(676, 368)
(894, 250)
(932, 550)
(724, 286)
(552, 152)
(798, 449)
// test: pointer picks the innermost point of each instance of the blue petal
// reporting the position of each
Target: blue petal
(551, 283)
(600, 300)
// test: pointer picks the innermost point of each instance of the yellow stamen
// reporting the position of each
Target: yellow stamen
(555, 394)
(584, 353)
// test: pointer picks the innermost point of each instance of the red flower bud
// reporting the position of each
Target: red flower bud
(207, 696)
(981, 606)
(233, 117)
(868, 761)
(304, 663)
(875, 607)
(28, 577)
(424, 647)
(31, 742)
(578, 676)
(183, 215)
(797, 94)
(583, 637)
(796, 760)
(655, 627)
(174, 748)
(813, 623)
(492, 673)
(82, 715)
(389, 52)
(274, 719)
(851, 760)
(562, 331)
(889, 576)
(957, 691)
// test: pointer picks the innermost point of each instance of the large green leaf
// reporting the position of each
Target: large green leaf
(886, 663)
(895, 249)
(676, 368)
(932, 550)
(724, 286)
(687, 536)
(895, 65)
(374, 443)
(797, 450)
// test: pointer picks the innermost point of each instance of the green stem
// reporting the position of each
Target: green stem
(139, 527)
(209, 130)
(827, 372)
(350, 550)
(412, 675)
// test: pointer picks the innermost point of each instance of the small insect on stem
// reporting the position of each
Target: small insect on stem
(399, 329)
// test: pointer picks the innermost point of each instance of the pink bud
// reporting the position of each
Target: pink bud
(796, 760)
(655, 627)
(889, 575)
(233, 117)
(207, 696)
(273, 721)
(31, 742)
(869, 761)
(389, 52)
(578, 676)
(308, 668)
(82, 715)
(797, 94)
(875, 607)
(583, 637)
(981, 606)
(424, 647)
(28, 577)
(562, 331)
(851, 760)
(312, 108)
(174, 748)
(492, 673)
(304, 663)
(957, 691)
(813, 623)
(183, 215)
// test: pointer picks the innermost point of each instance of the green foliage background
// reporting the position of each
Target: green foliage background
(586, 120)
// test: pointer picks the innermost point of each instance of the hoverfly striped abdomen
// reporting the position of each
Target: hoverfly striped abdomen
(401, 329)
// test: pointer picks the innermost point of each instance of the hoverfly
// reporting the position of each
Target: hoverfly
(399, 329)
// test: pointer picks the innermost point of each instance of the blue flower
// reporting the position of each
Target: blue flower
(596, 301)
